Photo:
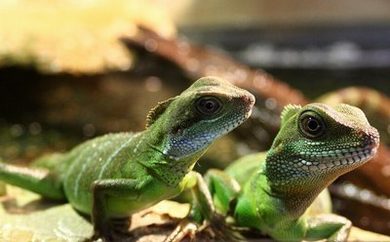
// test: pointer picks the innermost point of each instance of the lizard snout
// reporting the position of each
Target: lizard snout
(249, 99)
(370, 138)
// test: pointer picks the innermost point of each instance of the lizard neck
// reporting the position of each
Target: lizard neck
(295, 188)
(149, 152)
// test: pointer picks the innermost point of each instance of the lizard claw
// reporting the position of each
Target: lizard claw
(183, 229)
(223, 230)
(216, 227)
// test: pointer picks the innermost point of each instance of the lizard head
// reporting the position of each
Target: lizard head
(208, 109)
(317, 143)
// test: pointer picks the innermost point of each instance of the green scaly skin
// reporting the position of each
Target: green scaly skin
(271, 191)
(116, 175)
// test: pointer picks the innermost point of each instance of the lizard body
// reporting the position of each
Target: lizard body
(116, 175)
(271, 191)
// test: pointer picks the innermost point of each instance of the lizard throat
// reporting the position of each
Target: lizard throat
(171, 172)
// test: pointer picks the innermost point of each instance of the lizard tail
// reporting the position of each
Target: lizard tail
(35, 180)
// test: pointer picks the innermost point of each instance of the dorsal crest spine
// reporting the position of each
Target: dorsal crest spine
(288, 111)
(157, 111)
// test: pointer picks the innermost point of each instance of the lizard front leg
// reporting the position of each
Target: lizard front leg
(104, 225)
(213, 194)
(224, 189)
(331, 227)
(201, 207)
(202, 204)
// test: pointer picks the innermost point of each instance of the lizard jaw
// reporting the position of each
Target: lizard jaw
(351, 157)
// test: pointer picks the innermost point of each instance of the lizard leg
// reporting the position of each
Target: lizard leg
(331, 227)
(105, 226)
(224, 189)
(40, 181)
(202, 205)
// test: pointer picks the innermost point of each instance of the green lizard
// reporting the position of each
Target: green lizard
(271, 191)
(115, 175)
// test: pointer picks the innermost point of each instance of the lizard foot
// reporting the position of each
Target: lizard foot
(224, 230)
(216, 228)
(116, 229)
(185, 228)
(121, 226)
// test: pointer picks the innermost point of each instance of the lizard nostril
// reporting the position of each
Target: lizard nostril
(249, 99)
(370, 138)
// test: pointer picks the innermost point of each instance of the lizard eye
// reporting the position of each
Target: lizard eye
(311, 125)
(208, 105)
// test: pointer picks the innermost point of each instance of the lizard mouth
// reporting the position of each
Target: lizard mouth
(350, 157)
(355, 155)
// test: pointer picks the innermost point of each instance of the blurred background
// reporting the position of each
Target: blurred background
(340, 42)
(71, 70)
